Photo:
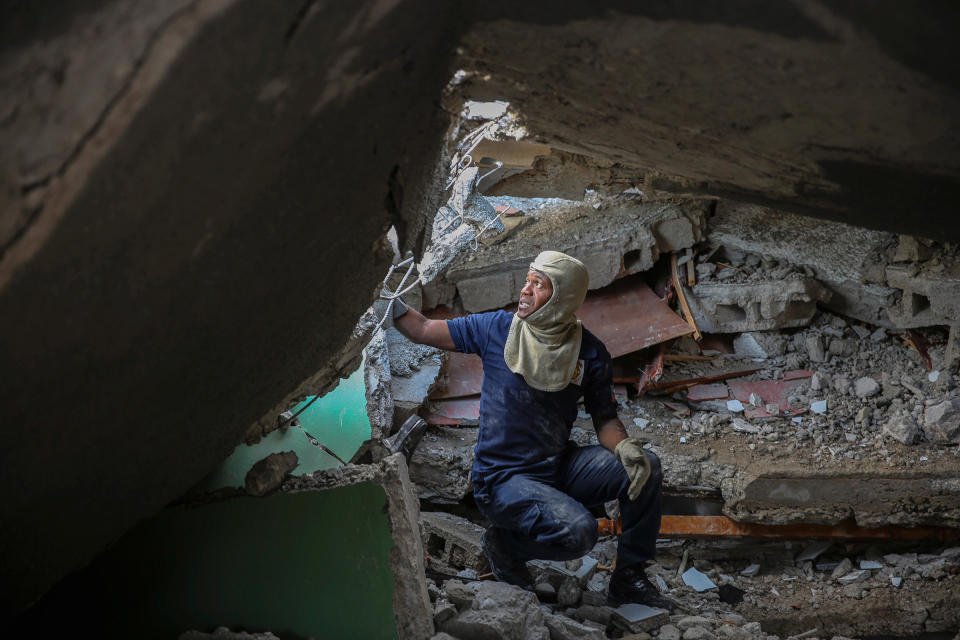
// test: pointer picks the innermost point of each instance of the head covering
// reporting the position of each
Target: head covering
(544, 346)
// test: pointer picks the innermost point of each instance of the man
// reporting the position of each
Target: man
(530, 481)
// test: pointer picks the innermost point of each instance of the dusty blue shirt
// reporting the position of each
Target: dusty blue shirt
(521, 426)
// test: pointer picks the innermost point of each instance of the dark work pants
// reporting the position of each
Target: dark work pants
(541, 514)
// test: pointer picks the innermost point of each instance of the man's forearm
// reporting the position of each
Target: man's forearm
(611, 432)
(422, 330)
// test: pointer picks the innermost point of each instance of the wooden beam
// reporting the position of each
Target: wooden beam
(722, 526)
(682, 298)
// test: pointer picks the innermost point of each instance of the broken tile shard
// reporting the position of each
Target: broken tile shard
(697, 580)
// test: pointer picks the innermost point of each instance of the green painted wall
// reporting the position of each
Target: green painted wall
(313, 564)
(338, 420)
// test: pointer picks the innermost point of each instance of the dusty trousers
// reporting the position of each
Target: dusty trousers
(541, 513)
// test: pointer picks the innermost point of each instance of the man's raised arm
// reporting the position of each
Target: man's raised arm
(422, 330)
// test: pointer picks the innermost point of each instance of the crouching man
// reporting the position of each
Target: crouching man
(530, 481)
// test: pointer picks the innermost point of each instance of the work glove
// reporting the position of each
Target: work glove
(380, 305)
(634, 459)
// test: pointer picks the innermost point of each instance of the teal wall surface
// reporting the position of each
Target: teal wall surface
(311, 564)
(338, 420)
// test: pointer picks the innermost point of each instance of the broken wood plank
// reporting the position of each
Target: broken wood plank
(677, 385)
(627, 316)
(682, 298)
(796, 374)
(920, 344)
(682, 357)
(722, 526)
(691, 271)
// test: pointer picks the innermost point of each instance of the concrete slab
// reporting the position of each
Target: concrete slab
(872, 498)
(621, 236)
(755, 306)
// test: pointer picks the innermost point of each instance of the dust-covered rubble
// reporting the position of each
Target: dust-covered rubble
(767, 590)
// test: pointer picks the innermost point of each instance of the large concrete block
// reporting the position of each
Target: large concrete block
(872, 498)
(491, 291)
(452, 540)
(440, 467)
(927, 298)
(755, 306)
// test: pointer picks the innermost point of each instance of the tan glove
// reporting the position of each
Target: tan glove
(634, 459)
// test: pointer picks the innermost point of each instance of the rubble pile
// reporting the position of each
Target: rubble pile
(823, 589)
(807, 377)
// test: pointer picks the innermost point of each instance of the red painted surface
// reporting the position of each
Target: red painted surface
(770, 391)
(703, 392)
(464, 376)
(797, 374)
(456, 408)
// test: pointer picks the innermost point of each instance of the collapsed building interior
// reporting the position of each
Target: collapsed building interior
(201, 199)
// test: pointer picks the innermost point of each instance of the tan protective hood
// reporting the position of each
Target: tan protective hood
(544, 347)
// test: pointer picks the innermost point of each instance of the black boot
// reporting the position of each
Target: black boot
(504, 566)
(630, 584)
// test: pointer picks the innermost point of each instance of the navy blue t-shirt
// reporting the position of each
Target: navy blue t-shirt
(519, 425)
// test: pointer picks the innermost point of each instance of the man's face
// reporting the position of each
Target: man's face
(535, 293)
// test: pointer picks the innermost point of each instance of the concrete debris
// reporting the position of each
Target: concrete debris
(267, 474)
(440, 467)
(460, 222)
(733, 308)
(452, 541)
(638, 618)
(498, 610)
(836, 421)
(941, 422)
(624, 235)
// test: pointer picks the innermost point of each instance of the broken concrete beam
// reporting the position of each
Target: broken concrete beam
(754, 306)
(874, 498)
(440, 467)
(618, 237)
(414, 371)
(453, 541)
(378, 387)
(848, 261)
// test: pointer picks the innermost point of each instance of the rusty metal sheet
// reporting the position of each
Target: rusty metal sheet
(464, 376)
(627, 316)
(716, 526)
(703, 392)
(770, 391)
